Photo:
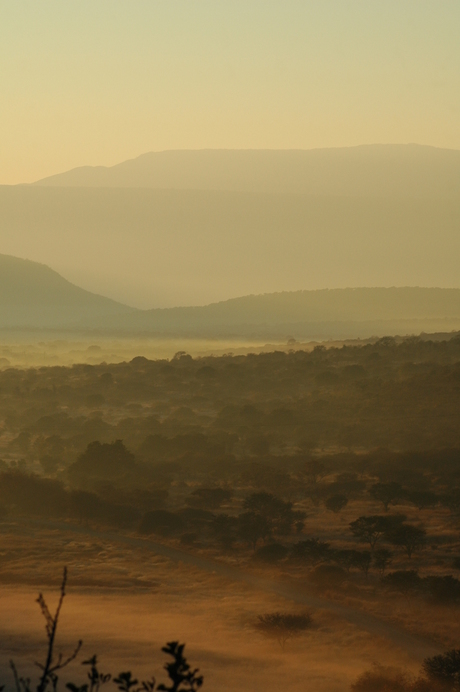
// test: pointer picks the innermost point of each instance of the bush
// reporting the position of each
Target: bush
(444, 589)
(273, 552)
(33, 495)
(311, 550)
(283, 626)
(336, 502)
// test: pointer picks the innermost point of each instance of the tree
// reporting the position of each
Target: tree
(444, 589)
(410, 537)
(283, 626)
(107, 461)
(444, 668)
(336, 502)
(252, 527)
(382, 558)
(362, 560)
(386, 493)
(311, 550)
(278, 514)
(224, 528)
(423, 499)
(372, 528)
(314, 469)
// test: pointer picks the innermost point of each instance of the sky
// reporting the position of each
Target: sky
(95, 82)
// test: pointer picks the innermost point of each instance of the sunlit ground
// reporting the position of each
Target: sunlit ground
(126, 603)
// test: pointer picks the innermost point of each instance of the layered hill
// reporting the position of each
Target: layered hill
(390, 170)
(34, 296)
(335, 313)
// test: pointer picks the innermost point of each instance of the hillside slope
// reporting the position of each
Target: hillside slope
(336, 313)
(33, 295)
(390, 170)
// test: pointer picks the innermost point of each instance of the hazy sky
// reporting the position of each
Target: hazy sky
(96, 82)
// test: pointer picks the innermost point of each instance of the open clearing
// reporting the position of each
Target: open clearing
(125, 600)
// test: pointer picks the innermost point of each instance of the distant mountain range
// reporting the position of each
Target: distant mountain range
(197, 227)
(380, 170)
(33, 296)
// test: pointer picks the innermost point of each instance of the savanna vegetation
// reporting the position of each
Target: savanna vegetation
(337, 470)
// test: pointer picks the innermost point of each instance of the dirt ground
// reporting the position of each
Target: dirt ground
(125, 602)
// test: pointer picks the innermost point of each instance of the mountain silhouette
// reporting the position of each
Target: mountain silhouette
(33, 295)
(379, 170)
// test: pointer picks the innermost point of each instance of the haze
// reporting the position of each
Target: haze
(85, 83)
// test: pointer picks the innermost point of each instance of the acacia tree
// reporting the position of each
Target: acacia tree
(372, 528)
(386, 493)
(410, 537)
(278, 514)
(252, 527)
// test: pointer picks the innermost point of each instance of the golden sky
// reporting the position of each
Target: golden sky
(85, 82)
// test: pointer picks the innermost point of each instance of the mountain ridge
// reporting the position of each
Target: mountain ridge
(406, 170)
(34, 296)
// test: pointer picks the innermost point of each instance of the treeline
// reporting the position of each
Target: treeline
(402, 396)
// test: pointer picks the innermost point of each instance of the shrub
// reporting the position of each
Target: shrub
(283, 626)
(336, 502)
(444, 589)
(311, 550)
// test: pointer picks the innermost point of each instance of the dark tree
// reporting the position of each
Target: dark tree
(382, 558)
(278, 514)
(283, 626)
(386, 493)
(444, 668)
(411, 538)
(252, 527)
(423, 499)
(372, 528)
(311, 550)
(444, 589)
(336, 502)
